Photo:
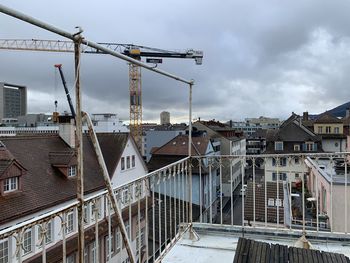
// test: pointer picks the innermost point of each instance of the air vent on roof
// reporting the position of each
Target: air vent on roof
(198, 143)
(183, 143)
(174, 143)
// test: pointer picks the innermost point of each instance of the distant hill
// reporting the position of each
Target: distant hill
(340, 111)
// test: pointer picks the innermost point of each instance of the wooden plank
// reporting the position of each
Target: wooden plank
(251, 251)
(291, 255)
(309, 255)
(263, 255)
(238, 251)
(258, 252)
(285, 254)
(245, 251)
(319, 257)
(268, 253)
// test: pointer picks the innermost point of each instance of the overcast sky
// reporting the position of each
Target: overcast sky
(260, 57)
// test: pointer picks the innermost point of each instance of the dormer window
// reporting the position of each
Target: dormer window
(11, 184)
(72, 171)
(278, 146)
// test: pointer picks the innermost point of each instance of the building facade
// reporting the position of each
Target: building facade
(13, 99)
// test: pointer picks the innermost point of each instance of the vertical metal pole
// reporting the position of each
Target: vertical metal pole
(159, 212)
(346, 195)
(303, 199)
(165, 211)
(153, 219)
(200, 191)
(220, 178)
(243, 193)
(45, 230)
(190, 155)
(64, 249)
(96, 210)
(146, 220)
(277, 190)
(254, 191)
(109, 233)
(265, 191)
(79, 147)
(317, 203)
(231, 188)
(331, 212)
(210, 195)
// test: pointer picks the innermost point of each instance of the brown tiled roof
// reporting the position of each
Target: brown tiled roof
(44, 186)
(61, 158)
(179, 146)
(327, 117)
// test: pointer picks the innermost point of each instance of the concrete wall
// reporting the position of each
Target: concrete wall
(334, 145)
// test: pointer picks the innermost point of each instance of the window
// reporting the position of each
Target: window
(69, 222)
(127, 227)
(296, 175)
(336, 130)
(128, 162)
(296, 160)
(271, 202)
(27, 241)
(133, 161)
(70, 258)
(86, 214)
(281, 176)
(278, 146)
(107, 239)
(72, 171)
(320, 129)
(4, 251)
(282, 161)
(296, 147)
(310, 146)
(123, 164)
(10, 184)
(140, 239)
(125, 196)
(328, 129)
(48, 233)
(279, 202)
(96, 208)
(117, 240)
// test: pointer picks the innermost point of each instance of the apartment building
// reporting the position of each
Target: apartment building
(329, 186)
(291, 138)
(38, 175)
(331, 130)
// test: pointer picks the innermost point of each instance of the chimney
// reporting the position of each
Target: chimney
(305, 116)
(230, 123)
(347, 114)
(67, 130)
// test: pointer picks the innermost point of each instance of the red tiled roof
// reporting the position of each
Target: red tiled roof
(179, 146)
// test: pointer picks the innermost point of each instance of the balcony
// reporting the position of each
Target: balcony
(194, 208)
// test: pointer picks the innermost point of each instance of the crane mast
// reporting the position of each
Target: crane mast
(134, 51)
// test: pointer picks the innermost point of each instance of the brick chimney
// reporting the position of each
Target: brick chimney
(67, 130)
(305, 116)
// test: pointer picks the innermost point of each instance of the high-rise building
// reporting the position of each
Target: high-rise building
(164, 118)
(13, 99)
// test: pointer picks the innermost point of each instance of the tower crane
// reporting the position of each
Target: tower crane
(152, 55)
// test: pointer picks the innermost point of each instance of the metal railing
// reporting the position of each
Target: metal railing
(154, 210)
(297, 193)
(304, 192)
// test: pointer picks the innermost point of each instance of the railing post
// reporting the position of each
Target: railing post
(79, 148)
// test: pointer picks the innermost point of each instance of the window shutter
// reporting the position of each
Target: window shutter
(315, 147)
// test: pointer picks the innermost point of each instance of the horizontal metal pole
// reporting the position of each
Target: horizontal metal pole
(38, 23)
(334, 154)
